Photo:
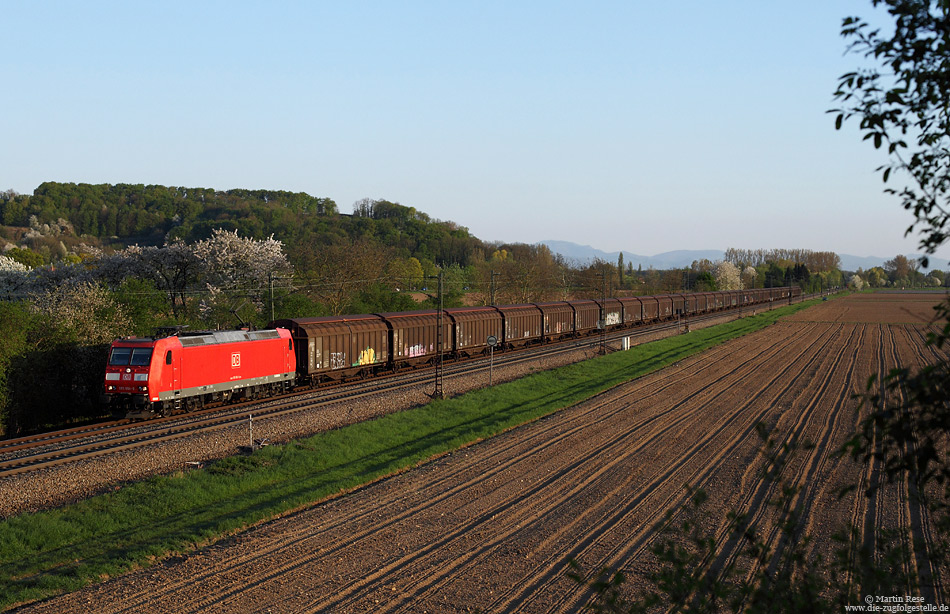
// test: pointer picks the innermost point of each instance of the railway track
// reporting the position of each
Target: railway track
(38, 452)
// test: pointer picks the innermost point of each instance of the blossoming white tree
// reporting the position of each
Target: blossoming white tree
(233, 265)
(13, 277)
(728, 276)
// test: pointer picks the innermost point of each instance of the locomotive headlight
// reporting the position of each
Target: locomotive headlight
(143, 388)
(110, 387)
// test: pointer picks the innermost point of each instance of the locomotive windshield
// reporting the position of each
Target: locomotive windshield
(139, 357)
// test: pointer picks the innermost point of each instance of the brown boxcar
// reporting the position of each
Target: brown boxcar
(586, 314)
(414, 337)
(338, 347)
(679, 304)
(522, 325)
(651, 308)
(632, 311)
(699, 301)
(473, 326)
(612, 314)
(557, 320)
(665, 302)
(691, 302)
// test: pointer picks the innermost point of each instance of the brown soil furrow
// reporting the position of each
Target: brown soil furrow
(885, 500)
(840, 471)
(921, 522)
(915, 515)
(862, 504)
(757, 502)
(899, 511)
(872, 512)
(820, 428)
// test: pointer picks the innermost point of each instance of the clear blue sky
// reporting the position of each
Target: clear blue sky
(626, 125)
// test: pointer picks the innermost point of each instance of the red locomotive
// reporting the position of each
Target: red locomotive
(146, 376)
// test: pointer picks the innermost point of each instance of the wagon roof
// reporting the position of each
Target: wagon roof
(474, 308)
(407, 314)
(322, 319)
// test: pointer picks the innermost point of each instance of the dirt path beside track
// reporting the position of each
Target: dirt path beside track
(493, 527)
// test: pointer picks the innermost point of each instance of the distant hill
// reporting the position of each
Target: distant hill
(667, 260)
(683, 258)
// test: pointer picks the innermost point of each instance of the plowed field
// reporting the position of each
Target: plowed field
(493, 527)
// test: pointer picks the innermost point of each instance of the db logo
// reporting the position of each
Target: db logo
(235, 360)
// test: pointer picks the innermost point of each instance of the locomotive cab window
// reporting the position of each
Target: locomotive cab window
(120, 356)
(168, 357)
(141, 357)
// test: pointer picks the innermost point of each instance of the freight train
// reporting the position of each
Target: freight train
(178, 371)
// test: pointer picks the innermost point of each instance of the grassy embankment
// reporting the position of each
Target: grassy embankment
(46, 553)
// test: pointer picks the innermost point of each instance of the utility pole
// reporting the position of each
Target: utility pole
(603, 314)
(492, 286)
(270, 280)
(437, 392)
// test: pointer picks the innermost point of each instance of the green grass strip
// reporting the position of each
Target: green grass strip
(46, 553)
